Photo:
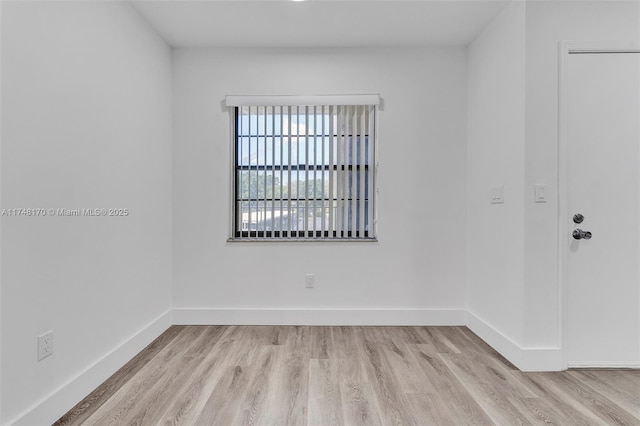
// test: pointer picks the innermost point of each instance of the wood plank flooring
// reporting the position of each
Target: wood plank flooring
(299, 375)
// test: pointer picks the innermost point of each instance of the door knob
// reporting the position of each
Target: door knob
(578, 218)
(579, 234)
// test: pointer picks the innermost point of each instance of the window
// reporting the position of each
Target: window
(304, 170)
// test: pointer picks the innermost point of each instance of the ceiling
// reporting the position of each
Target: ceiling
(318, 23)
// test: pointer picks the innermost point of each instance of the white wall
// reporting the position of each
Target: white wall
(495, 157)
(514, 296)
(547, 24)
(419, 261)
(1, 133)
(86, 123)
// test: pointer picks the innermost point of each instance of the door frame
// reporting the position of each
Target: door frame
(565, 49)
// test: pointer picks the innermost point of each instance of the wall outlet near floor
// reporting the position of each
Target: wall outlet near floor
(310, 280)
(45, 345)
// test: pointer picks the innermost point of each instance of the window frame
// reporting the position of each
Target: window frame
(241, 232)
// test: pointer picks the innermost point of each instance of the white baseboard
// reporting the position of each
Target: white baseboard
(526, 359)
(631, 365)
(542, 359)
(51, 408)
(498, 341)
(246, 316)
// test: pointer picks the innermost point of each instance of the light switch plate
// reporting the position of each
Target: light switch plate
(540, 193)
(497, 195)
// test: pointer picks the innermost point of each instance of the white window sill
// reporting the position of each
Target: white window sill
(302, 240)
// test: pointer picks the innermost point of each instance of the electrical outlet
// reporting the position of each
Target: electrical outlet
(45, 345)
(310, 280)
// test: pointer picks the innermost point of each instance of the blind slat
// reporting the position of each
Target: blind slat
(361, 193)
(281, 170)
(353, 188)
(297, 215)
(324, 195)
(372, 169)
(250, 218)
(240, 175)
(347, 131)
(331, 163)
(306, 173)
(339, 174)
(273, 173)
(289, 180)
(315, 168)
(264, 177)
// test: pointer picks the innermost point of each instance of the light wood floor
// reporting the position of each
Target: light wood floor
(297, 375)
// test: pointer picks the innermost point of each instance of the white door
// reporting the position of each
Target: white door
(603, 185)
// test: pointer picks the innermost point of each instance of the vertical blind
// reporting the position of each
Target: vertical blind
(304, 171)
